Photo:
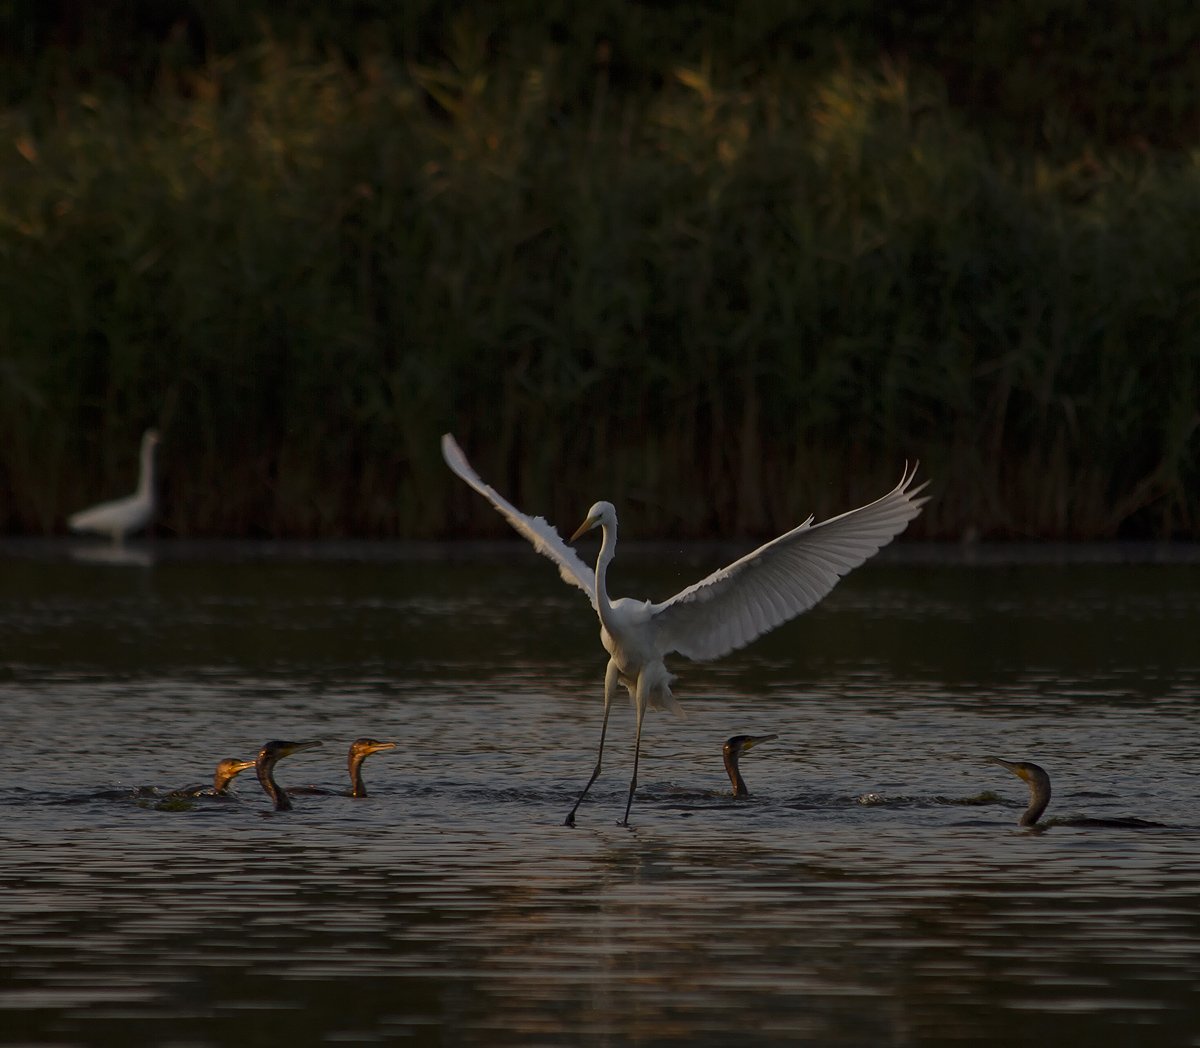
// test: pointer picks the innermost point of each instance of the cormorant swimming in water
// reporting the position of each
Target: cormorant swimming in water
(360, 750)
(1039, 796)
(224, 775)
(270, 754)
(733, 750)
(1039, 787)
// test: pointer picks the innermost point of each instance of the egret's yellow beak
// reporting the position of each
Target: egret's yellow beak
(583, 528)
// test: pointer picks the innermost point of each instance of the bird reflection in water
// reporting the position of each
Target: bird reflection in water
(111, 556)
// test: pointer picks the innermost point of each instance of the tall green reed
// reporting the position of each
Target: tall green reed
(723, 303)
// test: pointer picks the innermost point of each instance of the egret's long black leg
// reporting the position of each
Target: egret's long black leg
(570, 819)
(637, 749)
(610, 684)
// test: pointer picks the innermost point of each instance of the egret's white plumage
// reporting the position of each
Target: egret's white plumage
(123, 516)
(723, 612)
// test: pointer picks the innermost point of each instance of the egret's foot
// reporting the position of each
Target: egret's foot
(570, 819)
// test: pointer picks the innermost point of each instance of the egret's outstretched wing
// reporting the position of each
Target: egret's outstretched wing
(780, 580)
(537, 530)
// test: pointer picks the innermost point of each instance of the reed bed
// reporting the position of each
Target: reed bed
(724, 303)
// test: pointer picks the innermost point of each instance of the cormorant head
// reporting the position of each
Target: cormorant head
(364, 747)
(226, 770)
(1039, 786)
(737, 745)
(277, 750)
(360, 750)
(732, 751)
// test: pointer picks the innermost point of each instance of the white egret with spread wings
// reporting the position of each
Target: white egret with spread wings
(723, 612)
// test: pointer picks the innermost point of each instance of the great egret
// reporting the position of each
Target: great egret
(723, 612)
(732, 752)
(360, 750)
(122, 516)
(270, 754)
(222, 777)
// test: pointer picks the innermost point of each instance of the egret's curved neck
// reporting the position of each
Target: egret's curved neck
(146, 474)
(608, 550)
(357, 787)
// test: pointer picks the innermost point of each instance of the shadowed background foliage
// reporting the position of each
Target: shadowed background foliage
(723, 264)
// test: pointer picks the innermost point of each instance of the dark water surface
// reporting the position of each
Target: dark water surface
(875, 890)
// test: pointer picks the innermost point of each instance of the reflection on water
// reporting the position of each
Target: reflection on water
(113, 555)
(874, 889)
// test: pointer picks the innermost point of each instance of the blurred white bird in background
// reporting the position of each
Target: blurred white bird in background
(123, 516)
(717, 615)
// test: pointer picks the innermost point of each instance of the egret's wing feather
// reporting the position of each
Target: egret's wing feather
(545, 539)
(780, 580)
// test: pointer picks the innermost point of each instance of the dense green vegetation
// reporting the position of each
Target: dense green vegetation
(723, 270)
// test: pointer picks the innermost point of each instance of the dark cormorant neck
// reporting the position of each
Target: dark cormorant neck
(264, 767)
(357, 787)
(1039, 798)
(740, 789)
(1037, 779)
(266, 776)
